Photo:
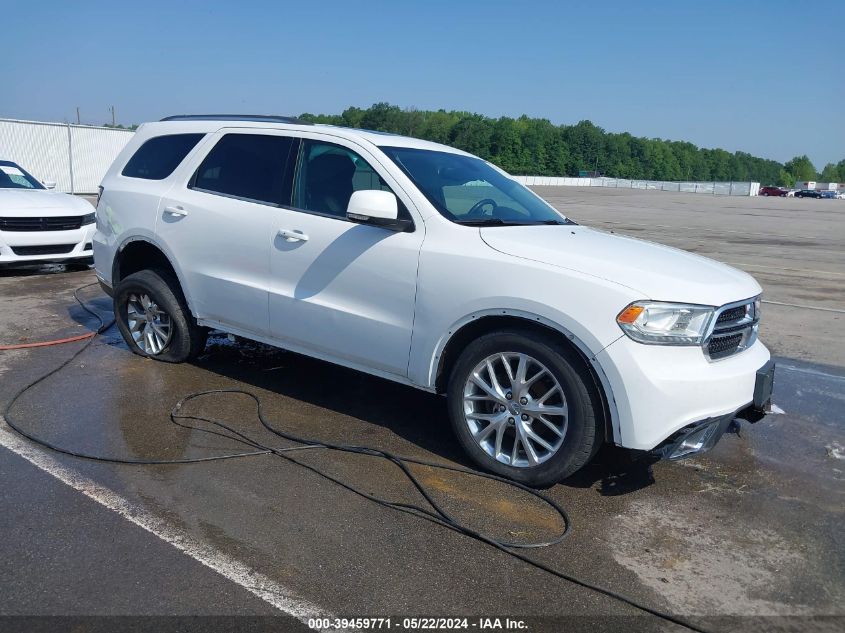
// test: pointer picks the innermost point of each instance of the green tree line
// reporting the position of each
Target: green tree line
(537, 147)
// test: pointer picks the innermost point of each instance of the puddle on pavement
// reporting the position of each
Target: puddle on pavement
(722, 533)
(227, 348)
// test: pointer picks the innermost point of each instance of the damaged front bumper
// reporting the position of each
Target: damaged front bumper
(703, 435)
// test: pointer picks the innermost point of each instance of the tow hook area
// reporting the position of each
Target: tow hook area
(762, 403)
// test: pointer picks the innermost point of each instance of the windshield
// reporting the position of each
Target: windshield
(13, 177)
(469, 191)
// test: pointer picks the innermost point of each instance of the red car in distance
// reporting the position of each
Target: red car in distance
(773, 191)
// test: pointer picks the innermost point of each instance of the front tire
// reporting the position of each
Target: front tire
(524, 406)
(154, 319)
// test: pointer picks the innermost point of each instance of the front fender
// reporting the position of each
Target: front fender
(589, 348)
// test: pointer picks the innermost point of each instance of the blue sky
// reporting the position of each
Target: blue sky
(758, 76)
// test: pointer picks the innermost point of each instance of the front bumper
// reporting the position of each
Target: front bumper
(661, 390)
(46, 246)
(702, 436)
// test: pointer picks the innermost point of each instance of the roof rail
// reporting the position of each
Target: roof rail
(260, 118)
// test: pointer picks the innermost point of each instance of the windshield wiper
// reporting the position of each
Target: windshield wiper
(500, 222)
(563, 222)
(485, 222)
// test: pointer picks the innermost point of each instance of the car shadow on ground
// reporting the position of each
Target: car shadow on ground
(415, 416)
(615, 471)
(34, 270)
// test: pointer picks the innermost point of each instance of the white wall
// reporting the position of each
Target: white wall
(713, 188)
(75, 157)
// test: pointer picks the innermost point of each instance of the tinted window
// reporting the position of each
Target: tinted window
(248, 166)
(158, 157)
(327, 176)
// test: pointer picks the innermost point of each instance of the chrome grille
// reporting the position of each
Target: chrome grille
(731, 314)
(734, 329)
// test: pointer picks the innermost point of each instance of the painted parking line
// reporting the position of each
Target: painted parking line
(804, 307)
(810, 371)
(268, 590)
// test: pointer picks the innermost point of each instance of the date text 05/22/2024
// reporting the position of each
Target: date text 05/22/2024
(417, 623)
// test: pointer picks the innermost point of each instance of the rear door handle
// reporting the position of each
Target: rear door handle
(293, 236)
(176, 211)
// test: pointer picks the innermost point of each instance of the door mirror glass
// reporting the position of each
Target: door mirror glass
(373, 206)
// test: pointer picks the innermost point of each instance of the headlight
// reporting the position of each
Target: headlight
(89, 218)
(660, 323)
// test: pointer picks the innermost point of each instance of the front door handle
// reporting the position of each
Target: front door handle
(179, 211)
(293, 236)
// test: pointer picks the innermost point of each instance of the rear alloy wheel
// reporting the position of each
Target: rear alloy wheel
(149, 325)
(154, 318)
(524, 406)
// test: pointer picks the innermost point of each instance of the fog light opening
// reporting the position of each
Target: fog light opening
(694, 442)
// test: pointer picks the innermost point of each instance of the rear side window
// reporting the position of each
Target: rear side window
(158, 157)
(250, 166)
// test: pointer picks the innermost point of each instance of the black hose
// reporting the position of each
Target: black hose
(435, 513)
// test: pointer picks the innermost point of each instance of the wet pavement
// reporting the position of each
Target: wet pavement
(752, 529)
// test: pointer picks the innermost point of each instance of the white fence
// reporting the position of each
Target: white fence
(75, 157)
(713, 188)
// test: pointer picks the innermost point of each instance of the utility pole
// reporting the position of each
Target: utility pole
(77, 116)
(111, 108)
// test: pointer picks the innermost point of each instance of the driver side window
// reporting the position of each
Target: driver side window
(328, 174)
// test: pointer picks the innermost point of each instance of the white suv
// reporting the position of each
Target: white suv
(425, 265)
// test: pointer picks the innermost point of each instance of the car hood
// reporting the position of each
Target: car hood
(44, 202)
(652, 270)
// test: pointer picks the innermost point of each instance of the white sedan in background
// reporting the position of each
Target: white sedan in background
(38, 224)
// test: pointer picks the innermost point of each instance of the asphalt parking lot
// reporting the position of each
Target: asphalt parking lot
(752, 529)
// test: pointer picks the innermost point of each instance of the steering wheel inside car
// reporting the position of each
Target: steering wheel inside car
(477, 210)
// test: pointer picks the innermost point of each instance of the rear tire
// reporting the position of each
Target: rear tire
(156, 293)
(471, 408)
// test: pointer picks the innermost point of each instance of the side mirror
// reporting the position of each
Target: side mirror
(378, 208)
(50, 184)
(372, 206)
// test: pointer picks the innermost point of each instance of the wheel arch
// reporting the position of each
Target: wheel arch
(472, 326)
(142, 253)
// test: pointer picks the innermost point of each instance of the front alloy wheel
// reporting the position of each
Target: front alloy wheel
(524, 405)
(515, 409)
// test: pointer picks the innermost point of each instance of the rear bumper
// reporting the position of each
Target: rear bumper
(46, 246)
